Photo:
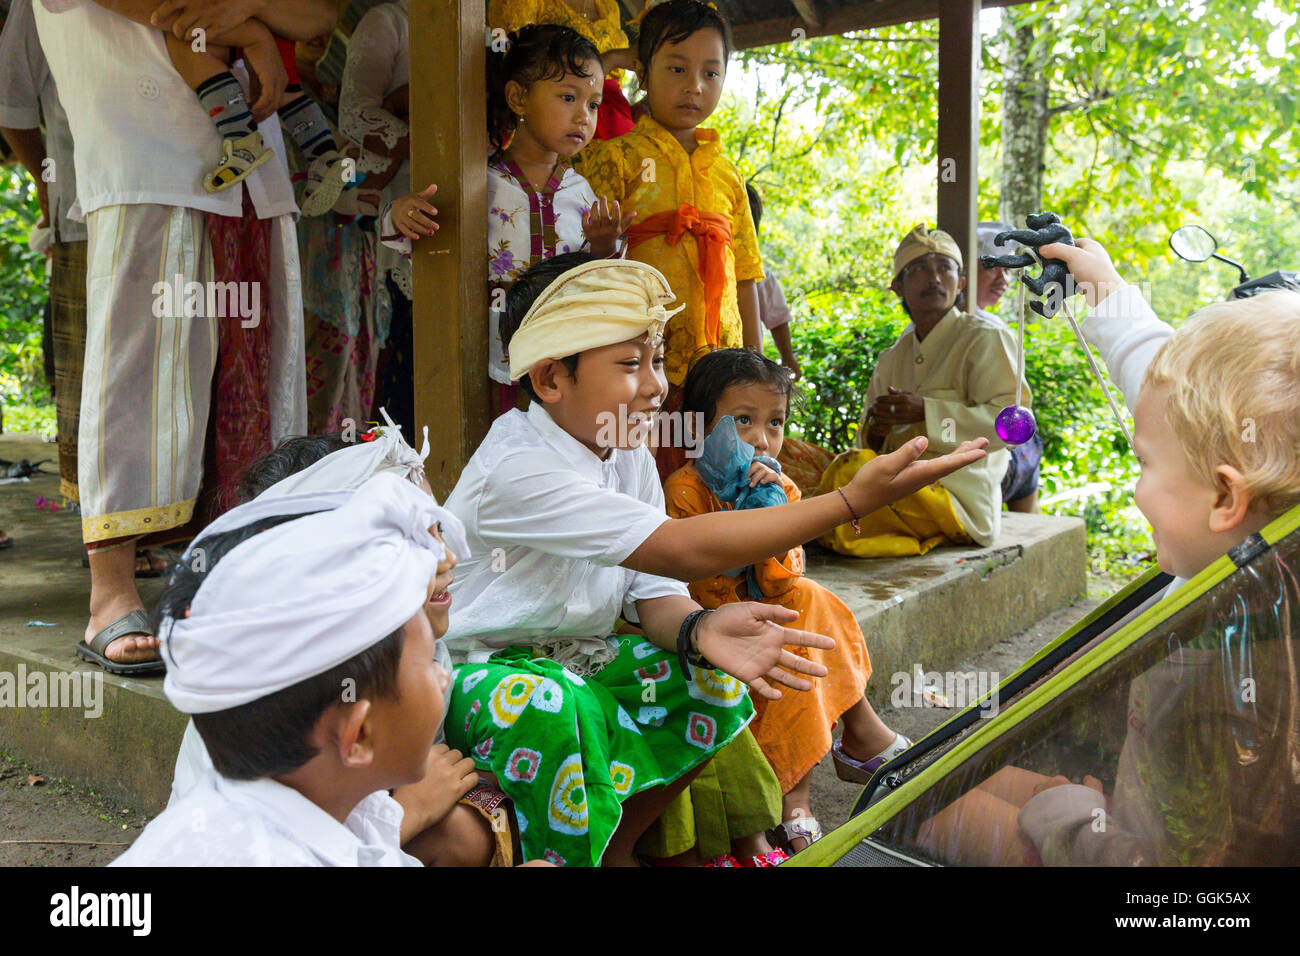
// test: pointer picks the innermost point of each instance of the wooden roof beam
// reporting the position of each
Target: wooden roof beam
(808, 12)
(883, 13)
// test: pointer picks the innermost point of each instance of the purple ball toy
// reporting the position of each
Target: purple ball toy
(1015, 425)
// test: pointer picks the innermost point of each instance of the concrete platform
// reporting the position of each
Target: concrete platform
(932, 611)
(938, 609)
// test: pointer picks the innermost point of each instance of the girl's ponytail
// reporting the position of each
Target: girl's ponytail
(543, 51)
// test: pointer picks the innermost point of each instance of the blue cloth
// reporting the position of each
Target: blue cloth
(724, 465)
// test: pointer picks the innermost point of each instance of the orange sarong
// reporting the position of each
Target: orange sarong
(712, 234)
(794, 732)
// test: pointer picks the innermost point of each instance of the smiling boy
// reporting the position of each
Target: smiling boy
(590, 734)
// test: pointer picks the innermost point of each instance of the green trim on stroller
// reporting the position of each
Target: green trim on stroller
(839, 841)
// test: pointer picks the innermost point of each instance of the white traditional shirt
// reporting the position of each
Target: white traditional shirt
(28, 100)
(223, 822)
(548, 524)
(772, 307)
(378, 64)
(141, 134)
(965, 373)
(525, 226)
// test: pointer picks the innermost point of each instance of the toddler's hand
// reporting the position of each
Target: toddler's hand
(604, 222)
(1094, 273)
(413, 214)
(450, 776)
(760, 474)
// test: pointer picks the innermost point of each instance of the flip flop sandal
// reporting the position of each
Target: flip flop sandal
(239, 157)
(860, 771)
(136, 622)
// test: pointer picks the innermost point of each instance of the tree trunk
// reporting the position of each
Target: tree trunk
(1024, 125)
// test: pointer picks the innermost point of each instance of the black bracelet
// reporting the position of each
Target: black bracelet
(685, 655)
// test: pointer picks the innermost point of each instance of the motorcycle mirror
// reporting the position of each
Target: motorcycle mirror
(1193, 243)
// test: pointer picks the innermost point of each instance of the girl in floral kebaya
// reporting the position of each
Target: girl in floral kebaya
(543, 96)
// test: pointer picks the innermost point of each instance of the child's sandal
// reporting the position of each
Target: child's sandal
(796, 828)
(326, 180)
(239, 157)
(860, 771)
(770, 858)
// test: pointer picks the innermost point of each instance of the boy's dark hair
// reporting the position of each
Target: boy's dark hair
(755, 204)
(521, 296)
(289, 457)
(542, 51)
(715, 372)
(268, 736)
(674, 21)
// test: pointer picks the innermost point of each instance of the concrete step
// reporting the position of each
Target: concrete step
(938, 609)
(120, 736)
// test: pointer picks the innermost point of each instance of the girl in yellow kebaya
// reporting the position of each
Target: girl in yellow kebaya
(692, 222)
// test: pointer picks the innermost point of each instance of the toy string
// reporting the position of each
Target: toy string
(1105, 389)
(1020, 360)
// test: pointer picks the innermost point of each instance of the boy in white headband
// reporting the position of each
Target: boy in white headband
(592, 735)
(305, 655)
(470, 834)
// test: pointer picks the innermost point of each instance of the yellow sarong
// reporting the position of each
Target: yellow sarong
(912, 525)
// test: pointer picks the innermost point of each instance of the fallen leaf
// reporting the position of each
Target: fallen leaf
(34, 781)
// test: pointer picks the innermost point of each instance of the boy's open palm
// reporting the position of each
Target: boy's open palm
(746, 640)
(887, 478)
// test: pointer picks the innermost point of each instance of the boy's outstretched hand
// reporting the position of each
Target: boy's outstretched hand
(1089, 263)
(887, 478)
(746, 641)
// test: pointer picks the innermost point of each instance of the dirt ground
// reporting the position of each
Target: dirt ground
(52, 823)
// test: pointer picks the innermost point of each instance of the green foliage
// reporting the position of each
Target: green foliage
(22, 293)
(1157, 115)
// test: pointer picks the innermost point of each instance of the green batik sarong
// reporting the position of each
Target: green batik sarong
(568, 750)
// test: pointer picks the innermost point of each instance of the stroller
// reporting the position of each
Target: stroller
(1171, 726)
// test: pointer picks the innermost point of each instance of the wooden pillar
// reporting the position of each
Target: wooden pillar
(449, 147)
(959, 120)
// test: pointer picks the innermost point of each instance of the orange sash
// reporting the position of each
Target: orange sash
(712, 233)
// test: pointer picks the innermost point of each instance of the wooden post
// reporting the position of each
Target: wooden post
(449, 147)
(959, 120)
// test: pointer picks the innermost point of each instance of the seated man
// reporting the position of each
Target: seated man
(946, 378)
(1020, 483)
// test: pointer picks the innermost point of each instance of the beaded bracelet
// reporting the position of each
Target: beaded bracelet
(854, 515)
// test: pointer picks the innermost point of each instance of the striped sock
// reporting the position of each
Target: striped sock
(306, 124)
(223, 98)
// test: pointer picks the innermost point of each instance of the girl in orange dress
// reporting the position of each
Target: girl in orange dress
(739, 392)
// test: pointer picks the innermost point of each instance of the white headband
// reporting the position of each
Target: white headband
(303, 597)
